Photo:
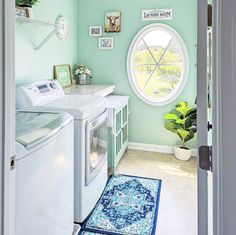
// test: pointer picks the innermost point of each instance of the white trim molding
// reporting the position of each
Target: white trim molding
(7, 106)
(155, 148)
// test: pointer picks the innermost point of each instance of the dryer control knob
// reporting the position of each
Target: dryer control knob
(53, 86)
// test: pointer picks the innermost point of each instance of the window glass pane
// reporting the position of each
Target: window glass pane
(158, 64)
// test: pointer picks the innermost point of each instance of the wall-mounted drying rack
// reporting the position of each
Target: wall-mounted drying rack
(60, 28)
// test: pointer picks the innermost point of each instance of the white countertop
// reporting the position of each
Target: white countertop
(116, 100)
(93, 89)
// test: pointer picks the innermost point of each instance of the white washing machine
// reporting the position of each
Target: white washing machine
(90, 117)
(44, 174)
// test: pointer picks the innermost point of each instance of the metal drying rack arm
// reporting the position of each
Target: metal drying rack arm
(45, 40)
(22, 20)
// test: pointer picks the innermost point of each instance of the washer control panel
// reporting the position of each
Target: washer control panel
(38, 93)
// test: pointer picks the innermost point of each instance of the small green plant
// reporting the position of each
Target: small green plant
(182, 120)
(26, 2)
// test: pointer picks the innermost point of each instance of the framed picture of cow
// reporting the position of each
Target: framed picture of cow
(112, 22)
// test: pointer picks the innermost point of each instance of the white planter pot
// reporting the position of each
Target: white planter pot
(182, 154)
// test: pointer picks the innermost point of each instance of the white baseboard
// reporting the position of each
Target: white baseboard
(194, 152)
(155, 148)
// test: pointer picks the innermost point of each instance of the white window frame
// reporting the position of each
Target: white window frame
(131, 76)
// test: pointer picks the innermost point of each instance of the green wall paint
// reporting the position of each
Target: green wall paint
(37, 65)
(146, 122)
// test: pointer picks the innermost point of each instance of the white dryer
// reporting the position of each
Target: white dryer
(44, 174)
(90, 117)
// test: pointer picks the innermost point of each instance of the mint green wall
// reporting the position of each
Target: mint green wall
(146, 122)
(37, 65)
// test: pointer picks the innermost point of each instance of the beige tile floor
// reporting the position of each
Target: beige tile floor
(178, 202)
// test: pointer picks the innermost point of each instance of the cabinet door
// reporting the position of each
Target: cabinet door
(125, 115)
(118, 123)
(125, 134)
(119, 134)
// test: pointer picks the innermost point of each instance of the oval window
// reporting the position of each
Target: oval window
(157, 64)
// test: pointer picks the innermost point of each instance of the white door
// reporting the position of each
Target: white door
(223, 119)
(209, 117)
(203, 108)
(1, 127)
(7, 107)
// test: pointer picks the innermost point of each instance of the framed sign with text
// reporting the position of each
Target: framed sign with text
(63, 74)
(157, 14)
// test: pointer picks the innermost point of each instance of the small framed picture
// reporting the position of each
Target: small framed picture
(95, 31)
(106, 43)
(62, 73)
(112, 22)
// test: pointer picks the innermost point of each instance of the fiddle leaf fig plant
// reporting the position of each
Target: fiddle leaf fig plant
(182, 120)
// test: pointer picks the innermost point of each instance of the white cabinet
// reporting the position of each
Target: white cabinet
(118, 112)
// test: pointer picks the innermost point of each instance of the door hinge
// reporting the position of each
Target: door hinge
(13, 163)
(205, 158)
(209, 21)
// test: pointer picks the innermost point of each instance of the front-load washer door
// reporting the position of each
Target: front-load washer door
(96, 146)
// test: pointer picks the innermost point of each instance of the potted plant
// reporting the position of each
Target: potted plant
(24, 8)
(26, 3)
(83, 74)
(182, 120)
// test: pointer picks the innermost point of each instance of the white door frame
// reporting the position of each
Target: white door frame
(7, 117)
(202, 135)
(224, 128)
(1, 125)
(216, 122)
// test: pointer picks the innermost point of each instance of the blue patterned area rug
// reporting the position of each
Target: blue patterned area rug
(128, 206)
(90, 233)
